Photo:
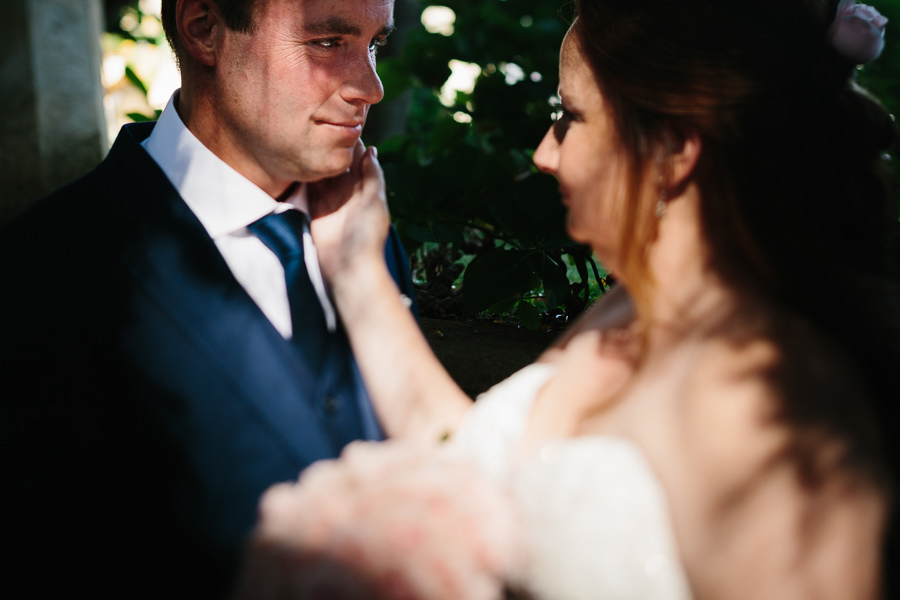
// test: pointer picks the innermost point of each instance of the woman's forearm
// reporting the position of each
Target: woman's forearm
(412, 393)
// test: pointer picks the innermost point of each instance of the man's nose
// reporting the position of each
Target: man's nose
(362, 85)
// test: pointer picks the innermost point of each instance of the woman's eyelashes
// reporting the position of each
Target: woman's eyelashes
(562, 118)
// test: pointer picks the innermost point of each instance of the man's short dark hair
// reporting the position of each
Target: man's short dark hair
(238, 15)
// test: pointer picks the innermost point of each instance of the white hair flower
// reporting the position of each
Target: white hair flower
(857, 32)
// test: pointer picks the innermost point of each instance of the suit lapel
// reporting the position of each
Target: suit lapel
(177, 265)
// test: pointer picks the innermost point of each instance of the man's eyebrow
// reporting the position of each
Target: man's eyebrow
(341, 26)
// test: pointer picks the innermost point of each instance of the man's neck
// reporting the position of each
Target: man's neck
(199, 115)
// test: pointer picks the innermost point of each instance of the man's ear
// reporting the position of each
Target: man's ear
(197, 21)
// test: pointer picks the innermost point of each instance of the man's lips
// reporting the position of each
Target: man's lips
(345, 126)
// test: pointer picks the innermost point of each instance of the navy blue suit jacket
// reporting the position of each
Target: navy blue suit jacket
(147, 400)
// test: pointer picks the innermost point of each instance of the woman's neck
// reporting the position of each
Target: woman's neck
(689, 296)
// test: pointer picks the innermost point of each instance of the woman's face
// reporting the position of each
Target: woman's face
(582, 151)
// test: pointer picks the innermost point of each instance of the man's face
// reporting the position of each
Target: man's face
(292, 95)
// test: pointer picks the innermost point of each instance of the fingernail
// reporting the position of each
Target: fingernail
(374, 151)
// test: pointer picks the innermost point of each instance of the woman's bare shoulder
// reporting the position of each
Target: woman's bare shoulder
(768, 387)
(769, 487)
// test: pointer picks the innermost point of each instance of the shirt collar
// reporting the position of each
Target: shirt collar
(223, 200)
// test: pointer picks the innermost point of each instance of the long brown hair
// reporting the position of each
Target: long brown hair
(795, 197)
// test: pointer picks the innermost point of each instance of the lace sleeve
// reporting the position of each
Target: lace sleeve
(491, 430)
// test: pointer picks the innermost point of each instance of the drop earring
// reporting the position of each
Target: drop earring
(661, 206)
(663, 198)
(661, 185)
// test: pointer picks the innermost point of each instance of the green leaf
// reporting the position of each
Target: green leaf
(141, 117)
(447, 134)
(496, 275)
(504, 307)
(529, 315)
(393, 145)
(553, 274)
(434, 232)
(135, 80)
(395, 78)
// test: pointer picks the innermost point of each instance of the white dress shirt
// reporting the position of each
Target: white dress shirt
(225, 202)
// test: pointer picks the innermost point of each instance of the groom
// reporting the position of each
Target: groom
(169, 348)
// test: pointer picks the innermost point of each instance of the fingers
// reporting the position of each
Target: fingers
(328, 195)
(372, 179)
(359, 153)
(363, 181)
(371, 168)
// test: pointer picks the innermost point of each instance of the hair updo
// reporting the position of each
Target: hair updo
(795, 196)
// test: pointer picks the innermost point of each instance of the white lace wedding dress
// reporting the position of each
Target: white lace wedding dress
(594, 518)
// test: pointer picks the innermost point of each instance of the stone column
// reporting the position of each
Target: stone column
(52, 128)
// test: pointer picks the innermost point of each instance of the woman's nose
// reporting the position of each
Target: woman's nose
(546, 157)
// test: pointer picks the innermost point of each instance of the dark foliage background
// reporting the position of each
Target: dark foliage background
(485, 231)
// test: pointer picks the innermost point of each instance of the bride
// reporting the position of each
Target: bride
(720, 425)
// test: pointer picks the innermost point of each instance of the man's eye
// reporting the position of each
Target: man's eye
(375, 44)
(328, 43)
